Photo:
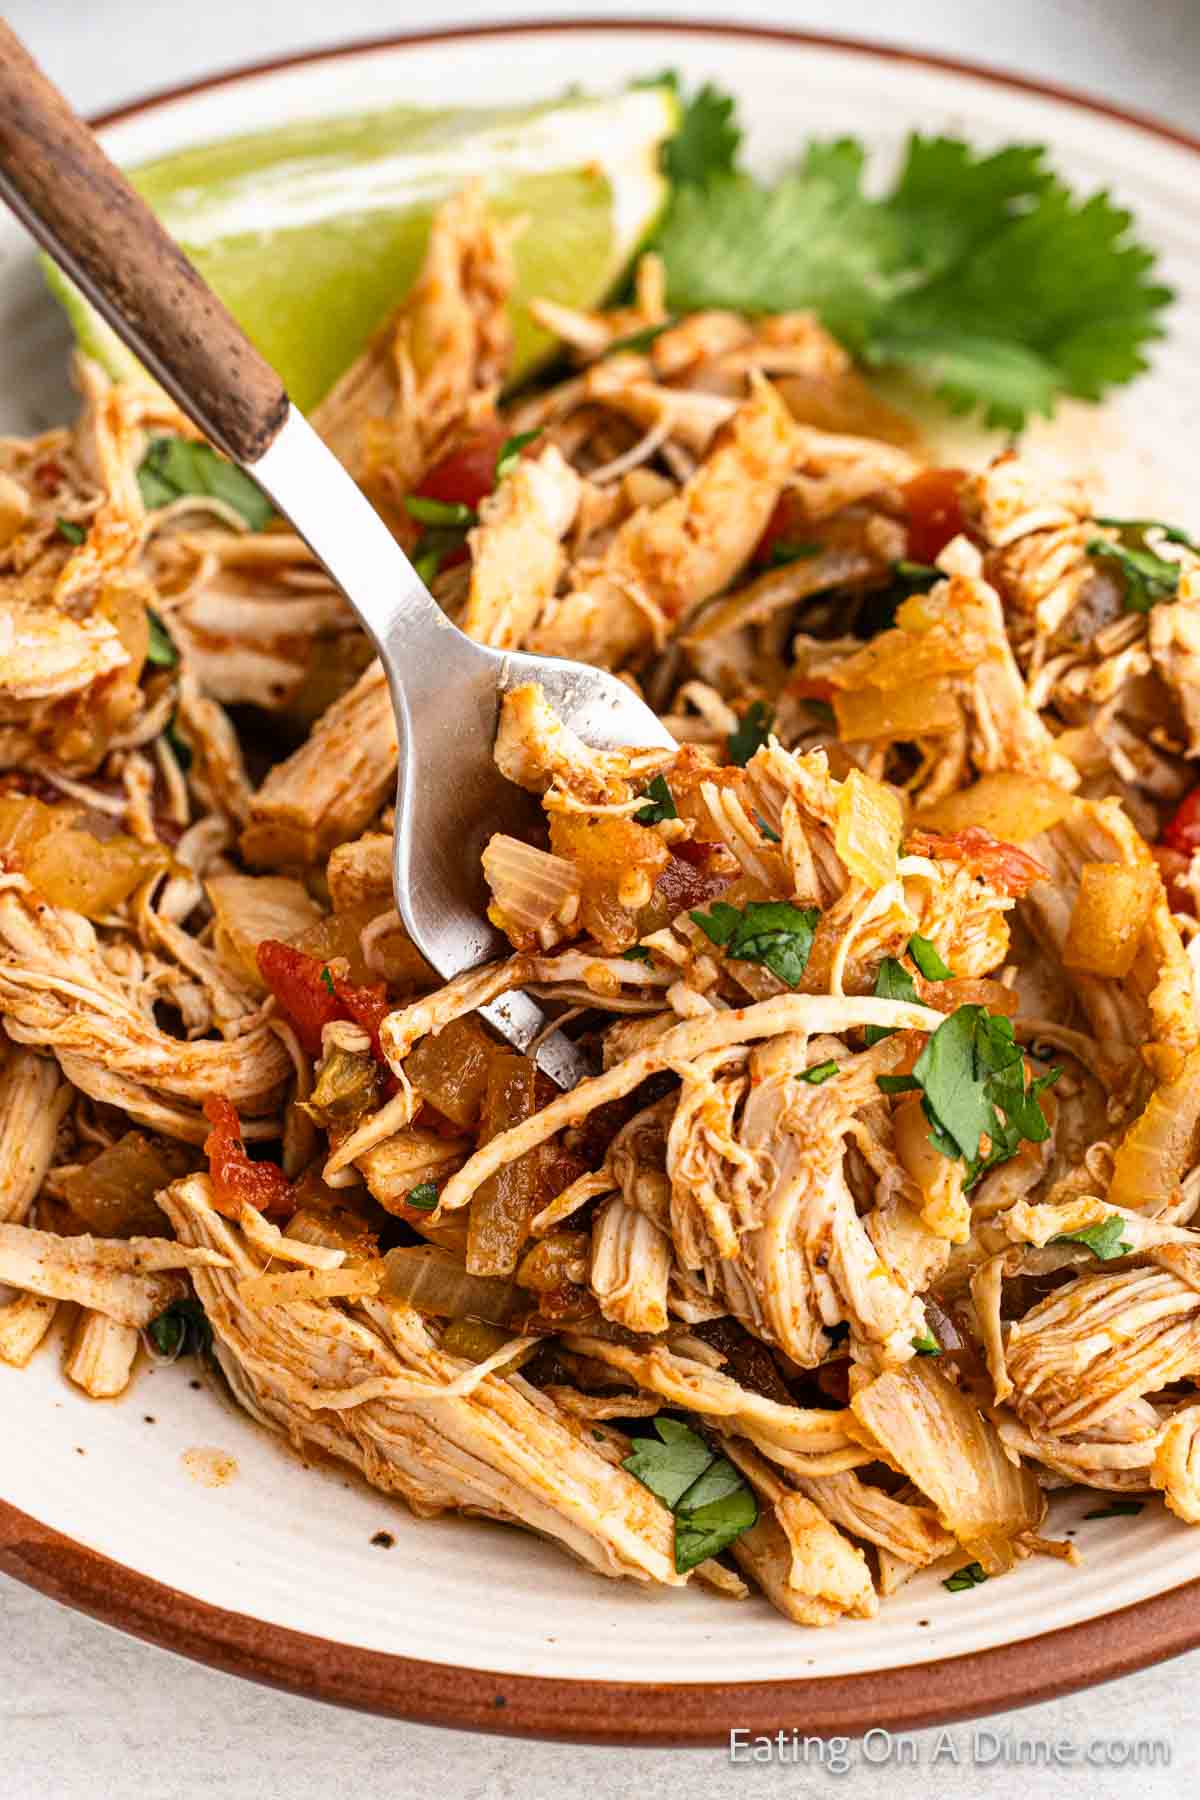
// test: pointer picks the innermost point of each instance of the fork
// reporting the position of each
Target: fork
(446, 689)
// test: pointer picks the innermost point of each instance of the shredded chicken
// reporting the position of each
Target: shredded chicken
(884, 1187)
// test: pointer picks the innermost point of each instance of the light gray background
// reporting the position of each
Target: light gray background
(85, 1712)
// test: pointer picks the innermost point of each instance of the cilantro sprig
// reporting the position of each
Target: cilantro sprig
(710, 1499)
(771, 932)
(983, 274)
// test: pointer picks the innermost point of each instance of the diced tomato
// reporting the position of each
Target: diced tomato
(304, 990)
(1173, 866)
(237, 1180)
(312, 996)
(934, 513)
(469, 472)
(48, 476)
(1009, 868)
(1182, 830)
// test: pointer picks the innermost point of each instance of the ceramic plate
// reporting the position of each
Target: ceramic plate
(169, 1514)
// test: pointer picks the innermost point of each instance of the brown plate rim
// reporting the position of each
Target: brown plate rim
(909, 1698)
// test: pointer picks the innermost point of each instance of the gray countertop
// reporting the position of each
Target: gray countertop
(84, 1711)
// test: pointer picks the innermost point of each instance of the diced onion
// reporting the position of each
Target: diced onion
(870, 713)
(1112, 909)
(435, 1282)
(1013, 806)
(529, 887)
(870, 820)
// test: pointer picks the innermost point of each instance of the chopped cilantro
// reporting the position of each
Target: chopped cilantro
(979, 272)
(972, 1073)
(711, 1501)
(892, 982)
(926, 1345)
(772, 837)
(660, 803)
(879, 608)
(969, 1576)
(67, 528)
(450, 514)
(636, 953)
(160, 650)
(897, 1084)
(1116, 1509)
(1148, 577)
(182, 1330)
(510, 451)
(327, 980)
(820, 1072)
(422, 1198)
(174, 467)
(925, 955)
(1103, 1240)
(754, 728)
(432, 549)
(772, 932)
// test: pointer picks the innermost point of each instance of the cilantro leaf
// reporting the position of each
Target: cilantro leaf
(510, 451)
(969, 1576)
(926, 957)
(182, 1330)
(771, 932)
(422, 1198)
(327, 981)
(892, 982)
(707, 139)
(1148, 577)
(174, 467)
(926, 1345)
(660, 803)
(754, 728)
(820, 1072)
(1116, 1509)
(972, 1073)
(708, 1530)
(771, 836)
(879, 608)
(160, 650)
(711, 1500)
(669, 1464)
(67, 528)
(1103, 1240)
(982, 273)
(636, 953)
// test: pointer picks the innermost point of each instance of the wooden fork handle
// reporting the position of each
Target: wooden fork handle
(81, 209)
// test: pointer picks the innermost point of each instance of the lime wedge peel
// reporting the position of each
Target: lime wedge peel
(311, 233)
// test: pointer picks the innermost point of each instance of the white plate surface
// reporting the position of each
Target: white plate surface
(291, 1545)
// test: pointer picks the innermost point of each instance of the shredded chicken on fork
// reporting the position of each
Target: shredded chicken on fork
(874, 1225)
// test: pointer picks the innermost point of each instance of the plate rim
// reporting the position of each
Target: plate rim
(907, 1698)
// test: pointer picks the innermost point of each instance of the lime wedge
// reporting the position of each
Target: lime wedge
(313, 231)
